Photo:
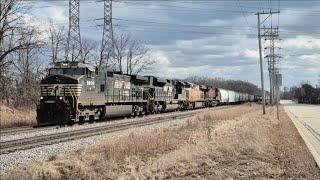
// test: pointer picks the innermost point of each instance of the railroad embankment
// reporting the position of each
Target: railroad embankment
(229, 143)
(11, 117)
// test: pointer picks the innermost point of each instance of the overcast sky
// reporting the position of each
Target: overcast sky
(207, 38)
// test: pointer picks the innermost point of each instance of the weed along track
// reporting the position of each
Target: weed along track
(38, 141)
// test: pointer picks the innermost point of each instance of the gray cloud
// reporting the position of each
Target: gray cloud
(210, 38)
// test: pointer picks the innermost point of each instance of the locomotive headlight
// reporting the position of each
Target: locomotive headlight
(60, 98)
(41, 97)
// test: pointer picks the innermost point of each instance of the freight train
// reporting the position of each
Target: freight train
(76, 92)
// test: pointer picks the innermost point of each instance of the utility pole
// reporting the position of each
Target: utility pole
(107, 46)
(261, 68)
(268, 34)
(74, 46)
(278, 83)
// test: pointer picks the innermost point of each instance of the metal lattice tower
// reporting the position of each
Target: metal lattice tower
(107, 46)
(74, 46)
(272, 35)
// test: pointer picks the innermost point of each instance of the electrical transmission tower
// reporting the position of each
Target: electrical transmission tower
(107, 46)
(272, 35)
(74, 46)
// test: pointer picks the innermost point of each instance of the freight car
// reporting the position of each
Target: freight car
(75, 92)
(223, 96)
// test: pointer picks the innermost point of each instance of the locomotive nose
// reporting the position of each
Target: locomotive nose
(53, 112)
(58, 100)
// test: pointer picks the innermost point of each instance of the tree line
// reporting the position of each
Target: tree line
(235, 85)
(305, 93)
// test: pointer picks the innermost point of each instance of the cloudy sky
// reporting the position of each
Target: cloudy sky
(207, 38)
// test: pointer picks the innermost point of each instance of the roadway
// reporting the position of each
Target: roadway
(307, 120)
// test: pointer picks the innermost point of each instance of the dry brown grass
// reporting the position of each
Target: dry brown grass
(231, 143)
(10, 117)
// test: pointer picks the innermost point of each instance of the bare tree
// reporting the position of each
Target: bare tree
(138, 58)
(121, 43)
(90, 51)
(57, 37)
(130, 55)
(11, 21)
(18, 40)
(28, 67)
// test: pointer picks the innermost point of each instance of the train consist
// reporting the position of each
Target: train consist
(75, 92)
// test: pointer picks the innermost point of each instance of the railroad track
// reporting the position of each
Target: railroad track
(15, 130)
(37, 141)
(23, 129)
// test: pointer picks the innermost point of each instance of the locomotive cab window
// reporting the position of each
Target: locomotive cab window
(67, 71)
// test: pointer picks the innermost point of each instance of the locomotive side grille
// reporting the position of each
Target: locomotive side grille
(61, 89)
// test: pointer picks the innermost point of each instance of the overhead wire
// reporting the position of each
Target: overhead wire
(185, 8)
(155, 24)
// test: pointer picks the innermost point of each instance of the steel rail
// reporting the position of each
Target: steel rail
(20, 130)
(7, 131)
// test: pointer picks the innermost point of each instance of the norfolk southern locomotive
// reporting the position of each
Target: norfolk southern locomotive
(78, 92)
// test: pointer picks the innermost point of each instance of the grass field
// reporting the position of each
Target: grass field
(230, 143)
(10, 117)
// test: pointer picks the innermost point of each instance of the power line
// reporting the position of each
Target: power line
(174, 24)
(187, 9)
(154, 22)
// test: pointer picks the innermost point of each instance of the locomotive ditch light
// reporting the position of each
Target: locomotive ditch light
(60, 97)
(41, 97)
(64, 64)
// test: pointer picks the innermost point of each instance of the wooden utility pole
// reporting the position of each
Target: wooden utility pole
(278, 79)
(261, 68)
